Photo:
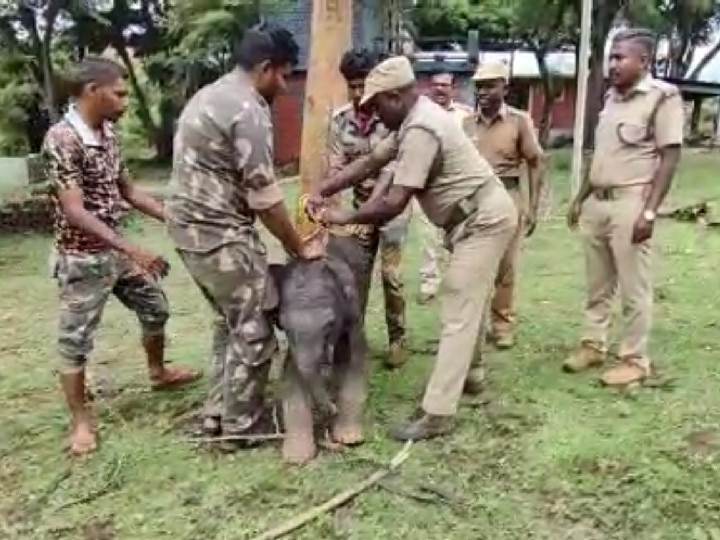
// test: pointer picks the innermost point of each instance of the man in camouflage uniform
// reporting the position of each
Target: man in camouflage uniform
(442, 88)
(353, 133)
(222, 179)
(93, 261)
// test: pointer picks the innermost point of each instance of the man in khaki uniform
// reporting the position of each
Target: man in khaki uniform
(437, 163)
(637, 148)
(442, 88)
(505, 137)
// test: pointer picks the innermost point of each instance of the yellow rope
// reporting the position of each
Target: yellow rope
(309, 229)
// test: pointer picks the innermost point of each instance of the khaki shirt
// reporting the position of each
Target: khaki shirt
(222, 166)
(351, 138)
(436, 157)
(506, 140)
(627, 138)
(460, 111)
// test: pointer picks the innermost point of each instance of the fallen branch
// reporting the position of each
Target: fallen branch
(113, 482)
(238, 438)
(339, 499)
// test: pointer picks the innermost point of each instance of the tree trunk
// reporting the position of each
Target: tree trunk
(548, 98)
(51, 12)
(603, 14)
(696, 116)
(143, 109)
(166, 130)
(695, 73)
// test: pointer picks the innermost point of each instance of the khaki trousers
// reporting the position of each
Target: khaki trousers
(612, 261)
(503, 313)
(465, 296)
(433, 253)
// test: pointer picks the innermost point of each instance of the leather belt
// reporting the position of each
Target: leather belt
(612, 193)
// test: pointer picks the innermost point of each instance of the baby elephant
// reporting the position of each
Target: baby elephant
(319, 311)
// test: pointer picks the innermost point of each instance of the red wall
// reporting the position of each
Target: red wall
(288, 109)
(563, 113)
(287, 121)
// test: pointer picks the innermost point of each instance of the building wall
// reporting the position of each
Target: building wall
(288, 109)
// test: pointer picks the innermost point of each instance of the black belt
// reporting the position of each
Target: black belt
(510, 182)
(609, 193)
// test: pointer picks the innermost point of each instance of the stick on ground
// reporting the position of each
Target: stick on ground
(338, 500)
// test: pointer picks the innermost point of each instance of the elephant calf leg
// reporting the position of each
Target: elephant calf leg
(299, 442)
(347, 427)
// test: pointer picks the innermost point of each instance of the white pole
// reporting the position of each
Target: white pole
(581, 98)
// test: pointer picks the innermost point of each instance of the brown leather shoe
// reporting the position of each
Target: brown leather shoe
(631, 371)
(504, 342)
(589, 355)
(423, 426)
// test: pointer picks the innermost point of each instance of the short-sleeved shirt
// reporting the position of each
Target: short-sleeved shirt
(435, 156)
(632, 129)
(506, 140)
(223, 170)
(76, 156)
(353, 135)
(460, 111)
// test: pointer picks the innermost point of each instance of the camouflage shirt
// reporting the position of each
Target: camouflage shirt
(77, 157)
(353, 136)
(222, 166)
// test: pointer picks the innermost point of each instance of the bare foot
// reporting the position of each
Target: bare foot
(173, 378)
(83, 440)
(298, 450)
(348, 433)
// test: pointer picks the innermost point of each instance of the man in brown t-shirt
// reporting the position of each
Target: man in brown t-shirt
(637, 147)
(437, 163)
(505, 136)
(90, 182)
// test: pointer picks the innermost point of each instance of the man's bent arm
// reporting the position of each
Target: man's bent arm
(669, 158)
(71, 201)
(277, 220)
(382, 209)
(362, 168)
(668, 138)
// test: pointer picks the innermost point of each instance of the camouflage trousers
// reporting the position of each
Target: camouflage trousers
(388, 240)
(85, 283)
(233, 280)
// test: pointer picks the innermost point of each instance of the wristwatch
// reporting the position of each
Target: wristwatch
(649, 215)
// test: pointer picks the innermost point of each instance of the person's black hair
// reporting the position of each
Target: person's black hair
(642, 36)
(93, 69)
(266, 41)
(357, 63)
(437, 72)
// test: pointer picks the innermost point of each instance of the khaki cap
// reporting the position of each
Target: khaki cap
(492, 71)
(391, 74)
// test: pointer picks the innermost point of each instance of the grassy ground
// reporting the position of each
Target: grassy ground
(549, 456)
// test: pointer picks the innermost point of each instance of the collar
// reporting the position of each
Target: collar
(364, 122)
(500, 115)
(86, 133)
(241, 77)
(643, 86)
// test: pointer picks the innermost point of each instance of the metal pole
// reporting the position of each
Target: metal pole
(582, 80)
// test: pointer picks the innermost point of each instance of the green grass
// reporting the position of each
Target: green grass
(549, 456)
